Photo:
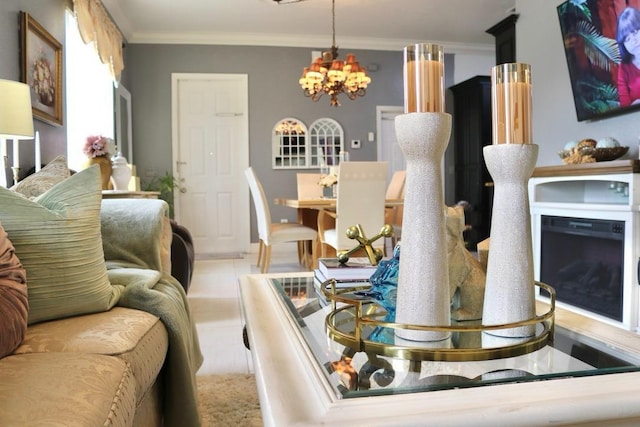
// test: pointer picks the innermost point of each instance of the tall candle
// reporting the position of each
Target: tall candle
(16, 154)
(37, 148)
(424, 78)
(511, 104)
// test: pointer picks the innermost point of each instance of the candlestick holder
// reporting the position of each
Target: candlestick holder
(509, 291)
(423, 280)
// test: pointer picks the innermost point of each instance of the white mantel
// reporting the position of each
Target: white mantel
(606, 190)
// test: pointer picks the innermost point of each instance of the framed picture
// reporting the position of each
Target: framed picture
(597, 35)
(41, 69)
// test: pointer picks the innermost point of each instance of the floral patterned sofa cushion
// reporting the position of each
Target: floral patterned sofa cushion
(66, 389)
(53, 173)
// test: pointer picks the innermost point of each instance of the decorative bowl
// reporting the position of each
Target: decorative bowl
(600, 154)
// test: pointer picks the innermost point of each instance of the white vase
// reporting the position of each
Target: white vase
(423, 281)
(327, 192)
(509, 291)
(120, 173)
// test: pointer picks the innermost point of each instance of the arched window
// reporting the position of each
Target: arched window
(295, 147)
(289, 144)
(326, 142)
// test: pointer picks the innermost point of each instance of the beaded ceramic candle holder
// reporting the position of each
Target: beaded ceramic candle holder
(509, 291)
(423, 280)
(423, 134)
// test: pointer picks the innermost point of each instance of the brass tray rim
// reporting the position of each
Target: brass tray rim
(355, 342)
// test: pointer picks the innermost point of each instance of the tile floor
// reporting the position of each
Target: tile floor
(215, 304)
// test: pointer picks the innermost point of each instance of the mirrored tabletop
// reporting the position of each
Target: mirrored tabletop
(354, 373)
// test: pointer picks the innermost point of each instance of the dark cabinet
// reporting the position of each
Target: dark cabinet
(471, 132)
(505, 34)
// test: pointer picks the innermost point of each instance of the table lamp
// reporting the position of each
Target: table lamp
(16, 122)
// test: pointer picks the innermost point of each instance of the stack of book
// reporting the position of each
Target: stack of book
(355, 272)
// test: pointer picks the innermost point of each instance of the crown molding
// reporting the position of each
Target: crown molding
(119, 18)
(298, 40)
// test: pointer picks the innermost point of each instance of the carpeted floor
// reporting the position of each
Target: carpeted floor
(228, 400)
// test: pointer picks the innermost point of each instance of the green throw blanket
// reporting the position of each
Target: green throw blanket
(163, 296)
(132, 240)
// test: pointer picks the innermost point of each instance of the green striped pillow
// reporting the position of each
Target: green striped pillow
(57, 238)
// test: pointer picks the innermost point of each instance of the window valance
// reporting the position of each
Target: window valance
(96, 26)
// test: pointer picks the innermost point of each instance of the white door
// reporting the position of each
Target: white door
(388, 149)
(211, 152)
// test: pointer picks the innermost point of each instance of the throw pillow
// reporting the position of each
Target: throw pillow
(13, 298)
(57, 238)
(34, 185)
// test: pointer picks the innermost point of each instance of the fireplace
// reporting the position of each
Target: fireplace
(586, 242)
(583, 260)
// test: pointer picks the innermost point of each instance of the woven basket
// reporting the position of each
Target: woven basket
(600, 154)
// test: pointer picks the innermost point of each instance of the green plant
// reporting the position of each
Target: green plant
(165, 185)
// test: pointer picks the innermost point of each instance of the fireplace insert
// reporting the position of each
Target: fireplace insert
(583, 260)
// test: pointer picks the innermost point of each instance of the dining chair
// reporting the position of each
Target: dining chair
(361, 200)
(308, 186)
(393, 214)
(269, 233)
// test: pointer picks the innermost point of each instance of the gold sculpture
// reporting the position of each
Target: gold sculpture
(356, 232)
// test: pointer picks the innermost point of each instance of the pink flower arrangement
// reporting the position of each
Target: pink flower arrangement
(43, 84)
(96, 146)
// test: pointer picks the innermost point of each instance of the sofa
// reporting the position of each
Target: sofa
(94, 331)
(182, 254)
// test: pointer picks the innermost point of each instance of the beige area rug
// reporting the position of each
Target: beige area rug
(228, 400)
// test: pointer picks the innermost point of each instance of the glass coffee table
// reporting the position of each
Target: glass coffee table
(590, 372)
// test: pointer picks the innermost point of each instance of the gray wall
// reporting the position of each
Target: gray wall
(50, 14)
(540, 44)
(274, 94)
(273, 75)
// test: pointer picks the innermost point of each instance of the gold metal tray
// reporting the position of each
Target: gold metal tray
(358, 322)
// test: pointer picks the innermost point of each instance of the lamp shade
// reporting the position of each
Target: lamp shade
(16, 118)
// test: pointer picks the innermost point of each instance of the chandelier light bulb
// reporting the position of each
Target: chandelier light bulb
(331, 76)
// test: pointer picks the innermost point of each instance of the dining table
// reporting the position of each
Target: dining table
(308, 209)
(323, 203)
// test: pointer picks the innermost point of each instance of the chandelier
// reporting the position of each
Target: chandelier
(332, 76)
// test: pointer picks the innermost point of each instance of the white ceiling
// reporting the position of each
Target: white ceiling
(360, 24)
